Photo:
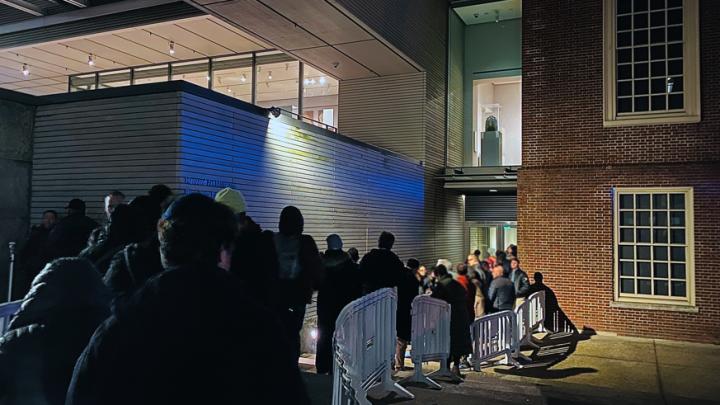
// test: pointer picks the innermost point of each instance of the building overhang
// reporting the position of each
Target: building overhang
(501, 179)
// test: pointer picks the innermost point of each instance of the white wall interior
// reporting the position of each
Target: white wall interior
(507, 92)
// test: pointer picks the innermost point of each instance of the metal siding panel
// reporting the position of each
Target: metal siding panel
(491, 208)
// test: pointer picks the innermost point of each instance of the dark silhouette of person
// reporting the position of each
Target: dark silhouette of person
(381, 268)
(70, 234)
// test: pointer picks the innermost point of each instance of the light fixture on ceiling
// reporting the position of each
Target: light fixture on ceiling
(91, 60)
(322, 80)
(25, 70)
(229, 90)
(492, 190)
(172, 48)
(243, 78)
(497, 16)
(270, 75)
(335, 65)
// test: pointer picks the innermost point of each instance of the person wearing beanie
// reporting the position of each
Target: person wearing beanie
(340, 286)
(234, 199)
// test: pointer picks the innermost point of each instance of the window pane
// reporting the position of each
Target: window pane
(643, 252)
(660, 235)
(643, 235)
(277, 81)
(640, 37)
(661, 270)
(674, 34)
(626, 201)
(320, 96)
(642, 103)
(118, 78)
(191, 72)
(675, 67)
(657, 68)
(657, 35)
(641, 54)
(657, 52)
(642, 218)
(644, 287)
(677, 236)
(674, 17)
(660, 253)
(626, 218)
(658, 85)
(677, 254)
(677, 201)
(624, 6)
(640, 5)
(675, 84)
(674, 3)
(626, 252)
(661, 287)
(624, 55)
(627, 285)
(624, 72)
(626, 235)
(678, 288)
(624, 23)
(658, 103)
(657, 4)
(624, 105)
(675, 51)
(675, 101)
(641, 70)
(657, 19)
(627, 269)
(643, 269)
(642, 87)
(677, 270)
(232, 76)
(677, 218)
(642, 201)
(660, 218)
(624, 89)
(151, 74)
(659, 201)
(640, 20)
(624, 39)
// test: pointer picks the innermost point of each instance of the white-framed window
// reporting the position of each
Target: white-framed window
(651, 62)
(653, 245)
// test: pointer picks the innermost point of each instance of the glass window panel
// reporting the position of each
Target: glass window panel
(677, 270)
(640, 20)
(643, 252)
(661, 269)
(624, 105)
(674, 3)
(660, 253)
(660, 235)
(626, 252)
(626, 218)
(624, 88)
(675, 51)
(657, 69)
(677, 201)
(677, 254)
(320, 96)
(674, 17)
(626, 201)
(661, 287)
(627, 285)
(677, 236)
(675, 101)
(678, 288)
(277, 83)
(624, 23)
(82, 82)
(657, 19)
(626, 235)
(659, 201)
(675, 67)
(642, 201)
(642, 103)
(193, 72)
(644, 287)
(641, 54)
(643, 235)
(151, 74)
(643, 269)
(657, 4)
(624, 55)
(624, 39)
(674, 34)
(657, 35)
(627, 269)
(658, 103)
(640, 5)
(624, 6)
(675, 84)
(657, 52)
(117, 78)
(642, 218)
(624, 72)
(642, 87)
(677, 218)
(232, 76)
(658, 85)
(660, 218)
(640, 37)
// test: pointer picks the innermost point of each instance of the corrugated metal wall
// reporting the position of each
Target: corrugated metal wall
(491, 208)
(456, 72)
(84, 149)
(385, 111)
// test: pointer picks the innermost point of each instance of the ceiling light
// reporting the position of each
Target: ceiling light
(322, 80)
(270, 75)
(492, 190)
(229, 90)
(172, 48)
(91, 61)
(25, 70)
(243, 78)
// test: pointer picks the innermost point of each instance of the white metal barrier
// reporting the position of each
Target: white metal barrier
(430, 339)
(7, 311)
(363, 348)
(530, 318)
(493, 336)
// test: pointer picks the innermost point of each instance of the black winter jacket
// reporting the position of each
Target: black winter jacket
(380, 268)
(452, 292)
(131, 267)
(70, 236)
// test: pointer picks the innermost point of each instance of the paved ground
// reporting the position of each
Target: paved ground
(577, 369)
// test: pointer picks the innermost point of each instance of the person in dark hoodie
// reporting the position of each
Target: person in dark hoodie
(300, 271)
(33, 255)
(58, 316)
(119, 232)
(408, 288)
(450, 291)
(340, 286)
(70, 234)
(189, 334)
(381, 268)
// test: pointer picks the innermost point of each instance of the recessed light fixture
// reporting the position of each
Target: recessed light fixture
(229, 90)
(25, 70)
(492, 190)
(270, 75)
(91, 60)
(172, 48)
(243, 78)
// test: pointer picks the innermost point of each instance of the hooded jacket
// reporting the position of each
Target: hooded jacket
(66, 302)
(380, 268)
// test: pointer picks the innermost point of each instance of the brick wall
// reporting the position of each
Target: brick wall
(571, 163)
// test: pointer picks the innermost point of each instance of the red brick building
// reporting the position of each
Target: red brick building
(619, 204)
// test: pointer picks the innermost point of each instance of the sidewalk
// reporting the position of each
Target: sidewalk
(579, 370)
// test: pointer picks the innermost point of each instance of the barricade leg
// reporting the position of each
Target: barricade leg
(419, 377)
(388, 385)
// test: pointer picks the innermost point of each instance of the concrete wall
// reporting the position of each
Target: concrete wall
(16, 126)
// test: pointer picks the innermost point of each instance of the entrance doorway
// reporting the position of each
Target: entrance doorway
(491, 237)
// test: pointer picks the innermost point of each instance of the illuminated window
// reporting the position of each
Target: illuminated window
(320, 96)
(232, 76)
(277, 81)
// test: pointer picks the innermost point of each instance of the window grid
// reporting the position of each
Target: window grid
(643, 223)
(657, 92)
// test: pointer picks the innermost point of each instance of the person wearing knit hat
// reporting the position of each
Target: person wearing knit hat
(233, 199)
(334, 242)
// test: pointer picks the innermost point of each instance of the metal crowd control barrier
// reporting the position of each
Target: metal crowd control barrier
(7, 311)
(493, 336)
(530, 318)
(363, 348)
(430, 339)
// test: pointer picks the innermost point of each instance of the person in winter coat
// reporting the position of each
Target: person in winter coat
(381, 268)
(354, 254)
(520, 280)
(480, 277)
(70, 234)
(450, 291)
(300, 271)
(111, 201)
(470, 290)
(33, 255)
(501, 259)
(119, 232)
(407, 290)
(502, 291)
(340, 286)
(137, 262)
(189, 335)
(58, 316)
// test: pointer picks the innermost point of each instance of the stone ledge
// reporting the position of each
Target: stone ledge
(654, 307)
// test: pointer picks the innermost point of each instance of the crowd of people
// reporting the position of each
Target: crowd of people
(188, 299)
